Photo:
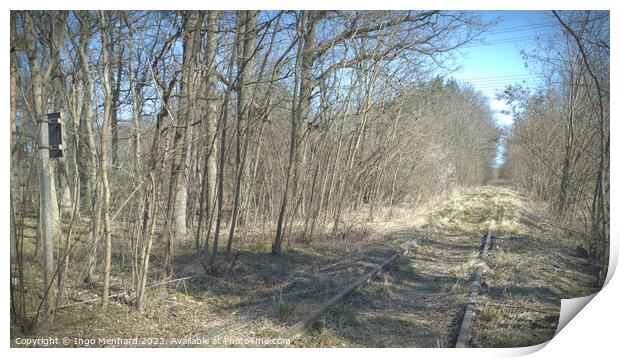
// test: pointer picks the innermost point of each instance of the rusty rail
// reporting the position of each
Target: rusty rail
(465, 330)
(302, 327)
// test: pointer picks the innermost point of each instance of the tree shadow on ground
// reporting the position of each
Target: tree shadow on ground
(278, 288)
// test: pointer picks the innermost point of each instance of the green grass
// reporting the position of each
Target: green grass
(383, 291)
(491, 314)
(503, 342)
(405, 265)
(346, 315)
(284, 310)
(269, 333)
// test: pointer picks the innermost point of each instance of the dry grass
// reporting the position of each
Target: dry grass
(531, 267)
(416, 303)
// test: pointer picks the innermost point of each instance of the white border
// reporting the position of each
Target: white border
(591, 333)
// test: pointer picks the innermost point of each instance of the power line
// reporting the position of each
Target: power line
(529, 81)
(513, 29)
(523, 28)
(507, 40)
(493, 77)
(490, 82)
(501, 83)
(532, 81)
(529, 25)
(501, 88)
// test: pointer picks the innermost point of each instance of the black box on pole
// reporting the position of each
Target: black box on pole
(54, 129)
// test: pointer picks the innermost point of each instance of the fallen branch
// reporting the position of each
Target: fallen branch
(524, 306)
(519, 305)
(126, 293)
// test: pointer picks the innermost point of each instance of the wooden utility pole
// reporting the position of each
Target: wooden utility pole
(48, 225)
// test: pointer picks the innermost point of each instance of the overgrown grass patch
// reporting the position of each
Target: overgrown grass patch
(346, 315)
(491, 314)
(284, 310)
(465, 269)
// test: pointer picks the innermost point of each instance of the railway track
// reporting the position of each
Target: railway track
(305, 325)
(302, 327)
(468, 317)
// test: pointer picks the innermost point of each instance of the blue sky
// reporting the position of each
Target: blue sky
(495, 62)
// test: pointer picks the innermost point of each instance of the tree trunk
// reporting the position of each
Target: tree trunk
(247, 45)
(105, 142)
(177, 203)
